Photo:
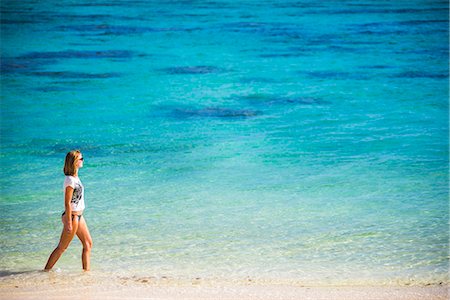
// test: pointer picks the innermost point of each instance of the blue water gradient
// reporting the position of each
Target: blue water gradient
(298, 139)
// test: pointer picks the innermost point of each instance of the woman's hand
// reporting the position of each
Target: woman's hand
(67, 224)
(69, 227)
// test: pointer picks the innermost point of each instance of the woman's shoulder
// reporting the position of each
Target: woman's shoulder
(70, 178)
(71, 181)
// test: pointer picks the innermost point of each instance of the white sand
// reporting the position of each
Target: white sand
(102, 285)
(104, 290)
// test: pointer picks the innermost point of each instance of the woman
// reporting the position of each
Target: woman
(72, 217)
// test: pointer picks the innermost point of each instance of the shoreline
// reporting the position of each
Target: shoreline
(263, 292)
(40, 285)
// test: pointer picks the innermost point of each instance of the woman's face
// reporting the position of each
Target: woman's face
(80, 161)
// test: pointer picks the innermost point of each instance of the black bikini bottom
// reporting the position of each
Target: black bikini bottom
(79, 216)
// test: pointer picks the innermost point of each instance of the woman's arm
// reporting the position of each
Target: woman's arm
(68, 215)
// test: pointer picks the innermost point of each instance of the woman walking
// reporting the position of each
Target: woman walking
(72, 217)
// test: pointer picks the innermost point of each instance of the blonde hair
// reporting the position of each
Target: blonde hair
(70, 162)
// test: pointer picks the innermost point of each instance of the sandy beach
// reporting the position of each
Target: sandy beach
(228, 292)
(148, 288)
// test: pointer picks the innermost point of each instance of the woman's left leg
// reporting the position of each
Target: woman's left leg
(85, 238)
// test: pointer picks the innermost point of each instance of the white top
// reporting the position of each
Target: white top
(77, 202)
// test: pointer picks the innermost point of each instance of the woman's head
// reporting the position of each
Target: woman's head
(74, 161)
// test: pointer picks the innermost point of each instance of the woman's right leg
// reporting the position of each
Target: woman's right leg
(64, 241)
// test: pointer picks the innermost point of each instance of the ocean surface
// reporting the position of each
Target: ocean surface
(274, 140)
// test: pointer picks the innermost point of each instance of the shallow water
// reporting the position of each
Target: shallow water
(297, 140)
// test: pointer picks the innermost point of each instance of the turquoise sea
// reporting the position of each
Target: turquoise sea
(277, 140)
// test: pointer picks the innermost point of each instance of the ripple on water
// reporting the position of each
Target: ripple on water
(105, 29)
(192, 70)
(268, 100)
(420, 74)
(214, 112)
(74, 75)
(84, 54)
